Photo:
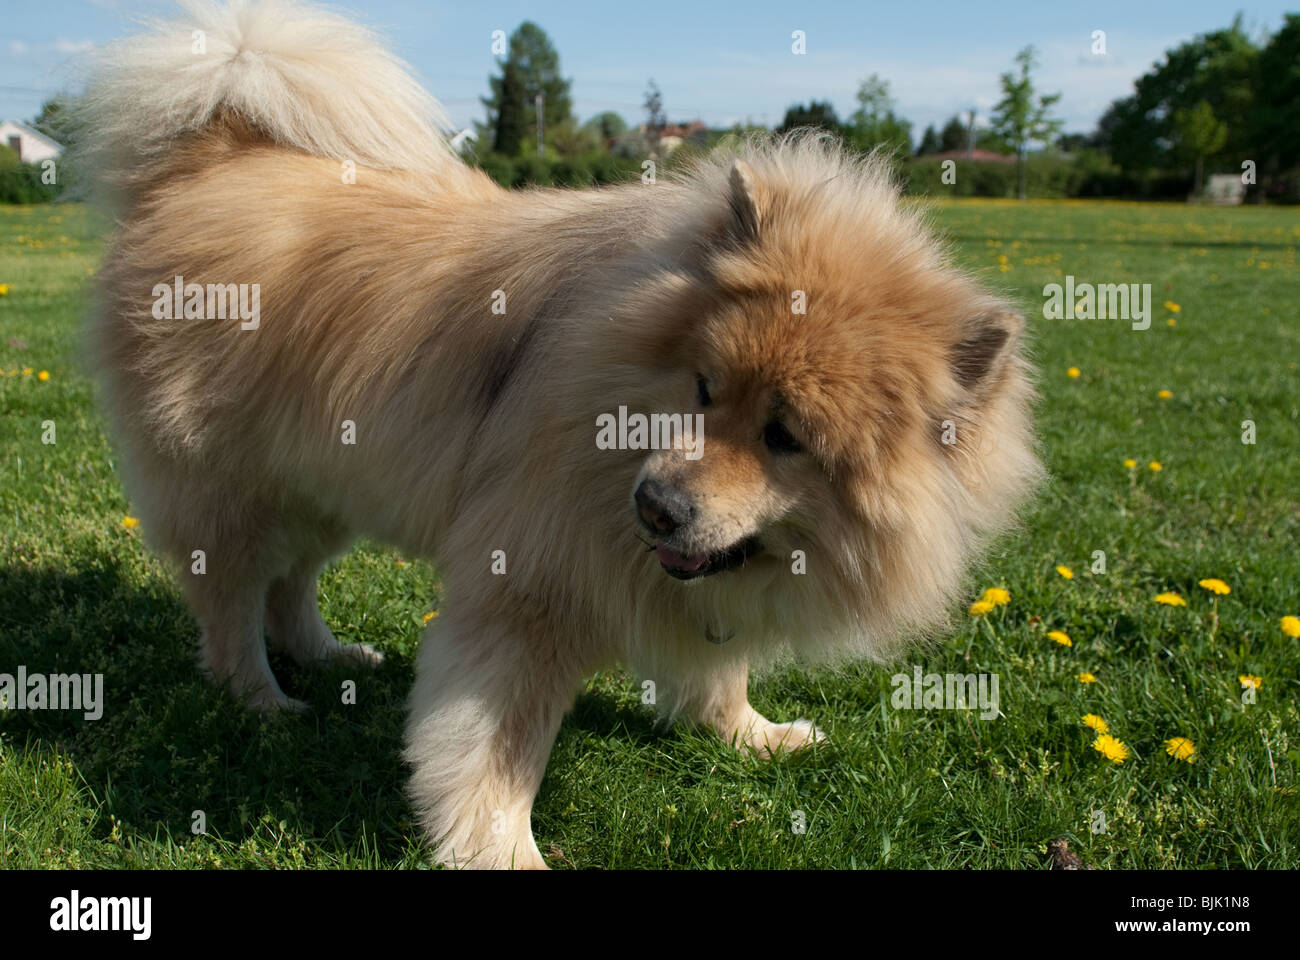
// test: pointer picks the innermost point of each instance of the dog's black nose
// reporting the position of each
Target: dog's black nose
(662, 508)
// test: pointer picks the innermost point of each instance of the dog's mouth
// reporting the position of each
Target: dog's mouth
(690, 566)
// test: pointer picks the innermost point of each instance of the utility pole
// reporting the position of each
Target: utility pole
(539, 101)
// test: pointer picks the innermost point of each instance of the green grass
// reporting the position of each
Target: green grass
(891, 788)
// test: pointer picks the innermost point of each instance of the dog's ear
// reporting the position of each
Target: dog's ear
(988, 340)
(747, 201)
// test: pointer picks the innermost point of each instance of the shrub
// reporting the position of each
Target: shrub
(21, 182)
(582, 170)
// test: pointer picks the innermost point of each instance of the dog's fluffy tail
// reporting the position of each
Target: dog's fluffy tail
(302, 76)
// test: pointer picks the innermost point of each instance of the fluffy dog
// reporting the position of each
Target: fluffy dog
(432, 360)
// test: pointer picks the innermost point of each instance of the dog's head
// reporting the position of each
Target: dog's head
(862, 406)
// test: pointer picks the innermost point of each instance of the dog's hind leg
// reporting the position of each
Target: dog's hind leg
(722, 702)
(229, 551)
(228, 601)
(293, 617)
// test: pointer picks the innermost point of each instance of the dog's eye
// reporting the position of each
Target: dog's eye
(779, 439)
(702, 391)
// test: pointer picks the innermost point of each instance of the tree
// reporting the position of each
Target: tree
(816, 114)
(531, 67)
(1020, 119)
(510, 125)
(1073, 142)
(992, 141)
(1199, 134)
(874, 125)
(655, 121)
(52, 120)
(954, 135)
(607, 126)
(1219, 68)
(1276, 118)
(570, 140)
(930, 142)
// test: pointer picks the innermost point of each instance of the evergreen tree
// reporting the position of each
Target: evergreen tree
(930, 142)
(816, 114)
(531, 67)
(953, 136)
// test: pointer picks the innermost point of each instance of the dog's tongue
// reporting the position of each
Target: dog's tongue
(678, 561)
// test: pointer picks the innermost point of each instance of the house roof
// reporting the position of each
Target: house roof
(34, 133)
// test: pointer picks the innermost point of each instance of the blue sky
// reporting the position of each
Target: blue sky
(718, 62)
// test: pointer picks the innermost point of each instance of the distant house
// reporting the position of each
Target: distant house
(463, 140)
(1225, 189)
(32, 146)
(978, 156)
(673, 135)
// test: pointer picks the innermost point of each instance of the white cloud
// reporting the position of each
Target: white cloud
(17, 48)
(64, 45)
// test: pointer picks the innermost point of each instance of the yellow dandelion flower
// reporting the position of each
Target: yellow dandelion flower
(1096, 722)
(1291, 626)
(1215, 586)
(4, 289)
(1130, 463)
(130, 522)
(1111, 749)
(1065, 572)
(1172, 322)
(1073, 373)
(996, 596)
(1165, 395)
(1172, 307)
(430, 615)
(27, 371)
(1170, 599)
(1061, 637)
(43, 375)
(400, 563)
(1155, 466)
(1085, 677)
(980, 607)
(1248, 680)
(1180, 748)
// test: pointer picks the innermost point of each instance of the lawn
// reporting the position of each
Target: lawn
(891, 788)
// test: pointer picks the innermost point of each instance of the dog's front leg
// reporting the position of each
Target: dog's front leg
(488, 699)
(720, 699)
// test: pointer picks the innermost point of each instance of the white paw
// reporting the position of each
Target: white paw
(360, 652)
(521, 855)
(769, 739)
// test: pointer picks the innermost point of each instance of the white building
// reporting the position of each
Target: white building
(1225, 189)
(466, 138)
(32, 146)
